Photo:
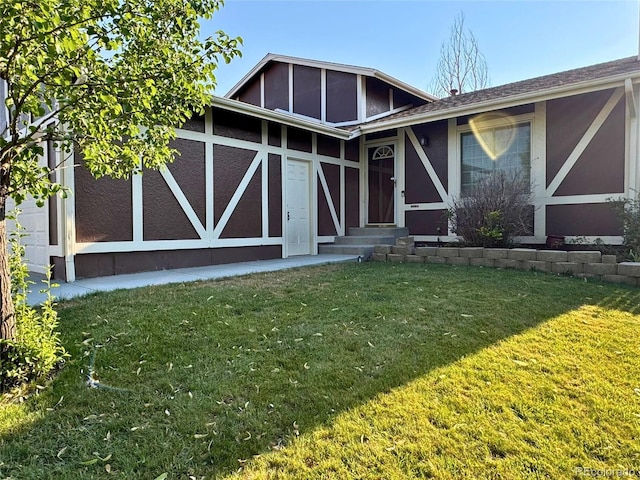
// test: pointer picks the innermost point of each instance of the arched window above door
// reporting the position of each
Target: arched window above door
(382, 152)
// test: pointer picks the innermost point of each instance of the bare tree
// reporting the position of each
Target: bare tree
(461, 67)
(495, 209)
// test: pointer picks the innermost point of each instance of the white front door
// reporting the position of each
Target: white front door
(298, 215)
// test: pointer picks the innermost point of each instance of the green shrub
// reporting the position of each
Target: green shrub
(496, 209)
(628, 211)
(36, 350)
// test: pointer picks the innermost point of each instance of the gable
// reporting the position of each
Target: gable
(324, 92)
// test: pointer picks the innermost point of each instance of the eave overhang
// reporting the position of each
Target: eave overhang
(283, 118)
(503, 102)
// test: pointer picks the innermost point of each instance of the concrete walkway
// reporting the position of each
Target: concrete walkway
(180, 275)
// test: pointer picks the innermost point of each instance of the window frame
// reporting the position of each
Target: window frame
(507, 121)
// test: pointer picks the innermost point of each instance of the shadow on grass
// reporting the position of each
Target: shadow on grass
(218, 372)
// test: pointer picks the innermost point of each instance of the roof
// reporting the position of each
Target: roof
(512, 94)
(562, 84)
(369, 72)
(281, 117)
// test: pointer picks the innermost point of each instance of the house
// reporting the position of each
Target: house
(299, 151)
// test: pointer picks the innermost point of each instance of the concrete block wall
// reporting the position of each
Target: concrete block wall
(583, 264)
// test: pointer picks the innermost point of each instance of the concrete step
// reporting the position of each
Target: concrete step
(365, 251)
(366, 240)
(379, 231)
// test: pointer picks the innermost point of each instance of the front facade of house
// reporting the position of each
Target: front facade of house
(299, 151)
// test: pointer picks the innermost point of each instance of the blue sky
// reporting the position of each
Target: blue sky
(520, 39)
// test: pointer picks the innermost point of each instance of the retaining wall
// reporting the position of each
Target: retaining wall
(583, 264)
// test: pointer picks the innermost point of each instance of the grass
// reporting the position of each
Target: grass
(349, 371)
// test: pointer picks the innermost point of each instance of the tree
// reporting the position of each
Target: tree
(110, 78)
(461, 67)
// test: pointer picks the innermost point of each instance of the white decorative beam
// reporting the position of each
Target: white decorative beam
(235, 199)
(427, 164)
(327, 194)
(631, 101)
(184, 202)
(137, 205)
(69, 217)
(584, 141)
(265, 181)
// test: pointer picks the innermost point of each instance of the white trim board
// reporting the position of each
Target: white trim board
(578, 199)
(285, 118)
(261, 147)
(418, 207)
(183, 202)
(68, 239)
(237, 195)
(426, 163)
(585, 141)
(150, 245)
(327, 194)
(137, 206)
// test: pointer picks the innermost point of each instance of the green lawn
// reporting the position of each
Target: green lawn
(367, 370)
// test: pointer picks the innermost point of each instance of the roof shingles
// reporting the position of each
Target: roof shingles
(614, 68)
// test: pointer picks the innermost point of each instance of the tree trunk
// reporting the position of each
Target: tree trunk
(7, 311)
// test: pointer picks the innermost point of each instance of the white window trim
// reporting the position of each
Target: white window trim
(536, 167)
(497, 123)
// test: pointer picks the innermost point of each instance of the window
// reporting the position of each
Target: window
(505, 149)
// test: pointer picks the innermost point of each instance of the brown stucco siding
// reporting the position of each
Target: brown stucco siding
(384, 134)
(436, 136)
(103, 207)
(163, 217)
(328, 146)
(593, 219)
(600, 168)
(276, 86)
(189, 172)
(52, 202)
(332, 176)
(229, 166)
(59, 268)
(251, 93)
(419, 187)
(568, 119)
(325, 222)
(426, 222)
(246, 219)
(298, 139)
(236, 125)
(402, 98)
(352, 197)
(275, 195)
(377, 97)
(275, 134)
(342, 96)
(352, 150)
(103, 264)
(306, 91)
(511, 112)
(195, 123)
